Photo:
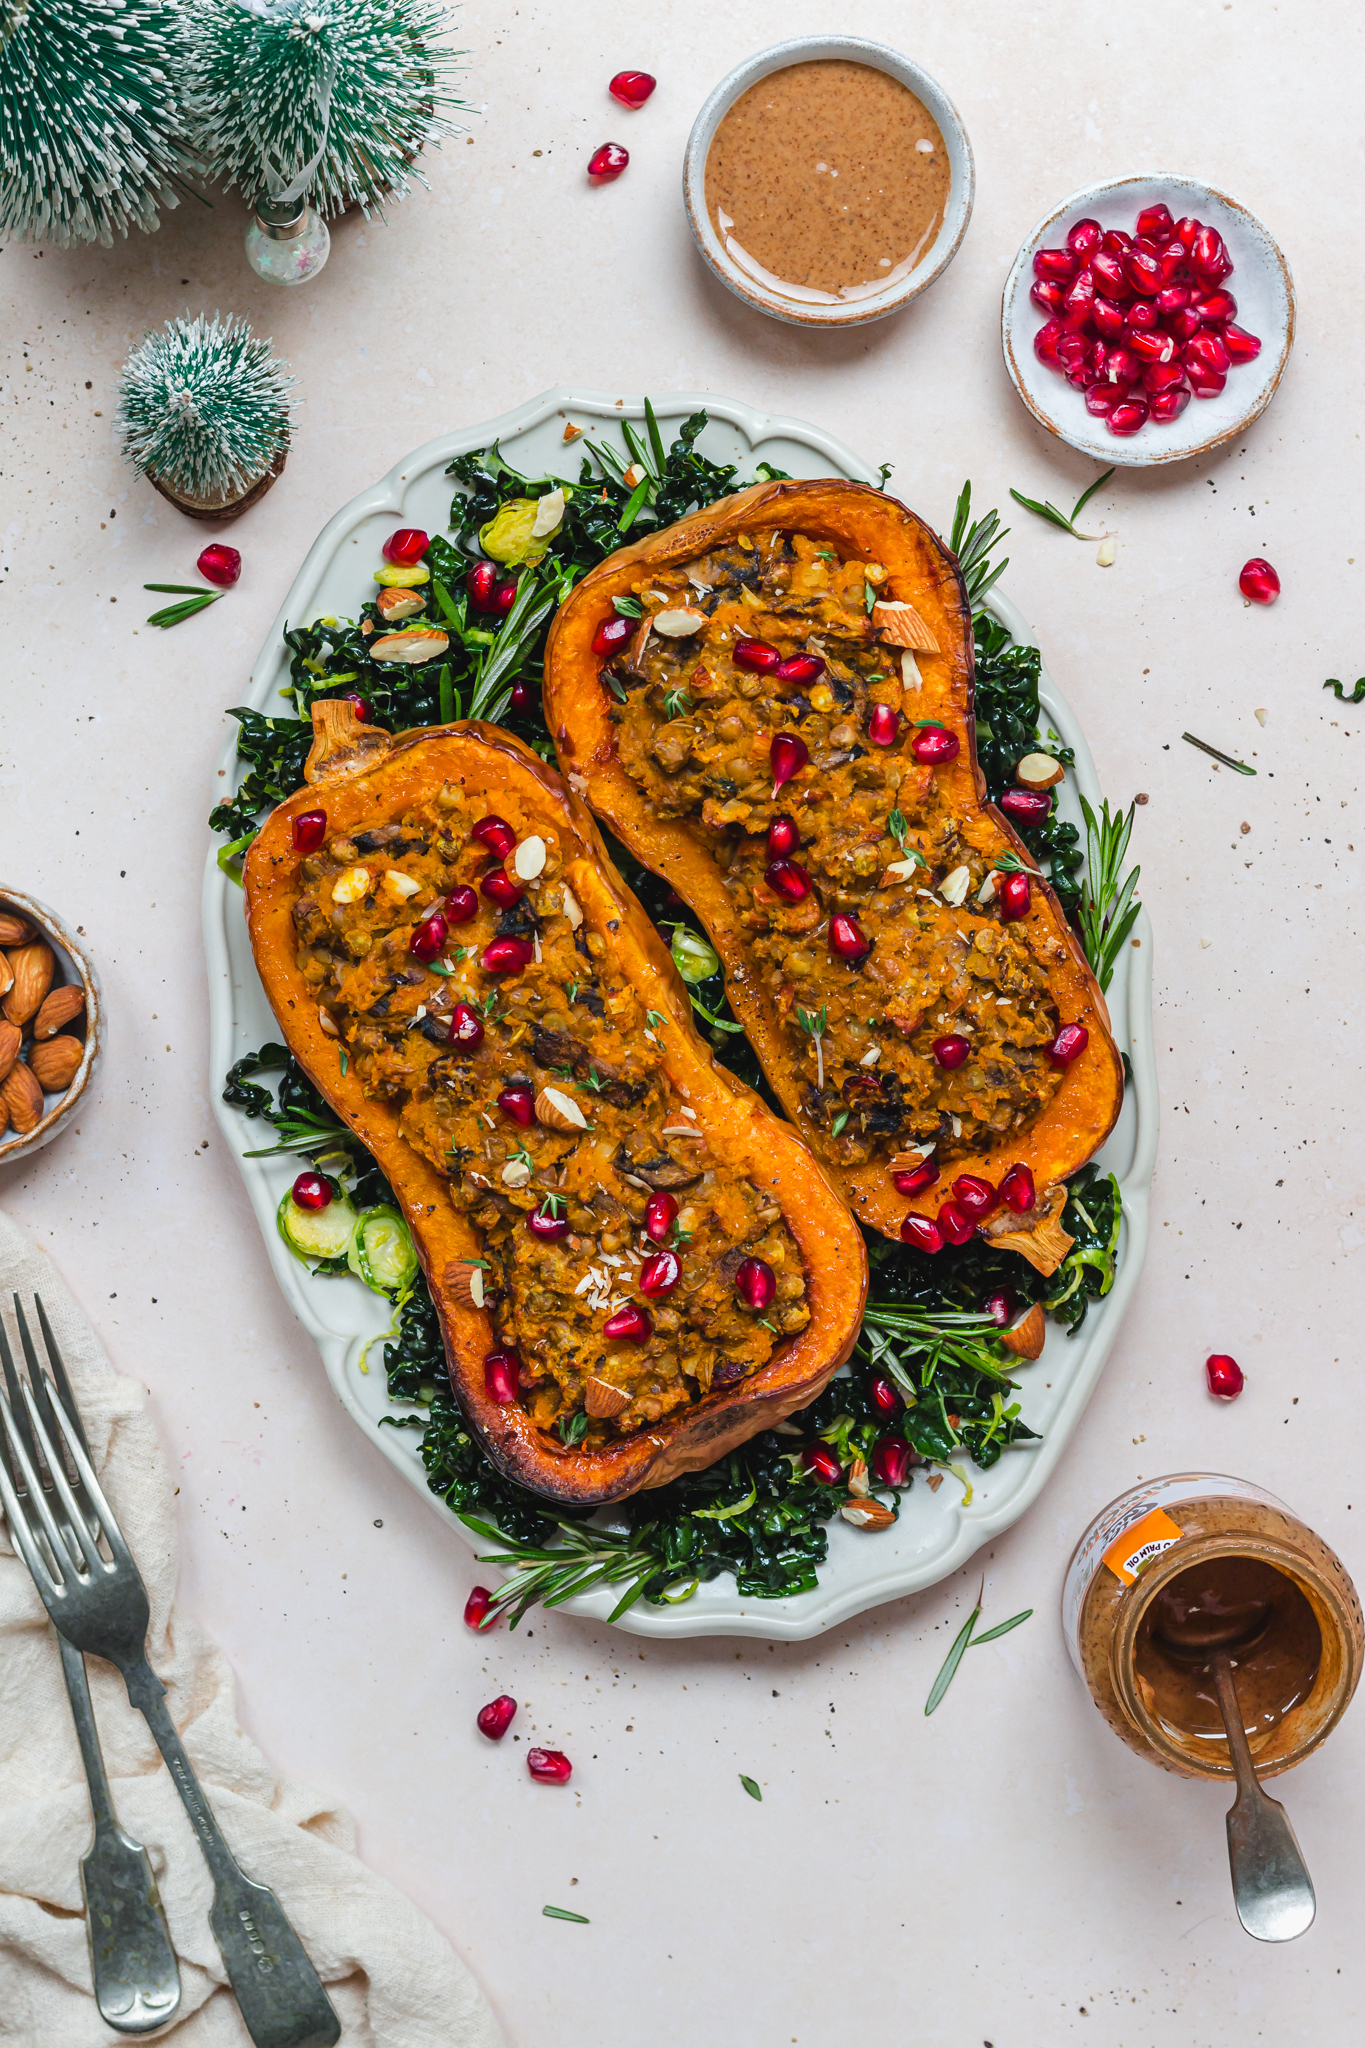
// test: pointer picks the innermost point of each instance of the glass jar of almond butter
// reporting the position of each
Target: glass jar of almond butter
(1178, 1568)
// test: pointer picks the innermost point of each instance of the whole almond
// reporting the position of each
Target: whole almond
(4, 1116)
(14, 931)
(22, 1097)
(33, 966)
(465, 1281)
(59, 1006)
(54, 1063)
(11, 1038)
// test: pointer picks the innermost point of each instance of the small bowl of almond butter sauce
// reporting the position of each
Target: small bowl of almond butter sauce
(828, 181)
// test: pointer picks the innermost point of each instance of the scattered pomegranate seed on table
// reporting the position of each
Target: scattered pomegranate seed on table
(549, 1766)
(476, 1608)
(608, 162)
(220, 564)
(1258, 582)
(1225, 1376)
(496, 1718)
(632, 88)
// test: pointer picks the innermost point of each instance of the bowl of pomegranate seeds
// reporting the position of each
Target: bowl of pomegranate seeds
(1147, 320)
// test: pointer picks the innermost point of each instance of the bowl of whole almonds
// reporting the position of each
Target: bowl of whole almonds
(50, 1023)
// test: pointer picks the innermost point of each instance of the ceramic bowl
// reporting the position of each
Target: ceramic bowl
(74, 966)
(1259, 281)
(872, 304)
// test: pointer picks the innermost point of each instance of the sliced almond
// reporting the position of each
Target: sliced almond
(602, 1400)
(393, 604)
(549, 514)
(901, 625)
(953, 888)
(678, 624)
(32, 967)
(55, 1063)
(399, 887)
(558, 1111)
(528, 858)
(1038, 771)
(23, 1098)
(633, 477)
(867, 1514)
(911, 679)
(420, 644)
(465, 1281)
(352, 885)
(573, 433)
(1026, 1337)
(327, 1023)
(570, 905)
(900, 871)
(857, 1479)
(59, 1006)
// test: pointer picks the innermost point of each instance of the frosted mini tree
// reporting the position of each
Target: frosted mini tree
(258, 71)
(204, 413)
(90, 122)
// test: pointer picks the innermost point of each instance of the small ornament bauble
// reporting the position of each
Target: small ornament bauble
(286, 241)
(204, 414)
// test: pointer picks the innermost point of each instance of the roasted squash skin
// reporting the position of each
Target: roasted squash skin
(857, 520)
(372, 783)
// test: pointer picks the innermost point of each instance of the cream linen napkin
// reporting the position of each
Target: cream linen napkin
(393, 1979)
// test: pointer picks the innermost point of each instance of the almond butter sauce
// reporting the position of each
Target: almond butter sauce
(1258, 1616)
(827, 181)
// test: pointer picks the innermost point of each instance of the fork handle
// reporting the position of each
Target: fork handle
(279, 1992)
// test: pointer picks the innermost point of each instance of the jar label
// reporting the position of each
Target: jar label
(1140, 1543)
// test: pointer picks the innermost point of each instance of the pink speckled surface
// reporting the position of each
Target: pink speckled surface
(985, 1876)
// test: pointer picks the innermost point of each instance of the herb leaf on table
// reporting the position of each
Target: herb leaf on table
(1066, 521)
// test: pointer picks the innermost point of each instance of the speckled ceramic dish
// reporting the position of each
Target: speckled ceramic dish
(74, 966)
(1260, 282)
(867, 305)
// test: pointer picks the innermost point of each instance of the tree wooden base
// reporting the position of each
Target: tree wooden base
(218, 509)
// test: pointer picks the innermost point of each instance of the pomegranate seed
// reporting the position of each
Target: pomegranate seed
(466, 1028)
(1045, 343)
(1258, 581)
(481, 582)
(496, 834)
(429, 937)
(1241, 346)
(974, 1195)
(661, 1213)
(549, 1766)
(1080, 298)
(759, 657)
(632, 88)
(544, 1223)
(1016, 897)
(891, 1460)
(310, 829)
(1083, 237)
(630, 1325)
(518, 1100)
(613, 634)
(520, 699)
(1110, 277)
(1168, 405)
(220, 564)
(1002, 1307)
(461, 904)
(1016, 1189)
(800, 668)
(1175, 267)
(1143, 317)
(1142, 271)
(1047, 293)
(505, 596)
(957, 1226)
(1156, 220)
(883, 1396)
(312, 1191)
(476, 1609)
(820, 1461)
(755, 1284)
(1108, 318)
(496, 1718)
(923, 1233)
(1156, 347)
(1162, 377)
(1123, 366)
(914, 1179)
(1070, 1042)
(883, 725)
(1206, 353)
(1026, 806)
(1129, 417)
(1172, 298)
(406, 546)
(1071, 351)
(1059, 264)
(1214, 308)
(1206, 383)
(1101, 399)
(1225, 1376)
(1208, 257)
(783, 837)
(358, 704)
(608, 162)
(1183, 326)
(660, 1274)
(1150, 245)
(502, 1377)
(952, 1051)
(1115, 243)
(788, 879)
(499, 888)
(787, 756)
(506, 956)
(935, 745)
(1185, 231)
(846, 938)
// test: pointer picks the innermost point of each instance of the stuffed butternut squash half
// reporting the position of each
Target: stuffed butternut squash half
(777, 718)
(636, 1266)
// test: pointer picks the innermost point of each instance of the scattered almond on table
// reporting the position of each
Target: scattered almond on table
(39, 1056)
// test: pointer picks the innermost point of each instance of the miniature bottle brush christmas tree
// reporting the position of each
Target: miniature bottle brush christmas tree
(204, 414)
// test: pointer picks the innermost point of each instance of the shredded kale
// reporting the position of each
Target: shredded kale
(1093, 1212)
(1008, 717)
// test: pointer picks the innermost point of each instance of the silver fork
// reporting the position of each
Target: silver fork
(100, 1605)
(132, 1962)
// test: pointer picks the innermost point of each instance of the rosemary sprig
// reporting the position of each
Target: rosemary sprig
(972, 542)
(964, 1641)
(1346, 696)
(910, 1344)
(584, 1558)
(1108, 907)
(563, 1913)
(1218, 754)
(1050, 512)
(195, 599)
(307, 1135)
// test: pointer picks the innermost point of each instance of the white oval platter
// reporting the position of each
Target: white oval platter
(936, 1533)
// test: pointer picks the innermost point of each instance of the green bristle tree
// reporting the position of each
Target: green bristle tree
(257, 81)
(90, 122)
(203, 407)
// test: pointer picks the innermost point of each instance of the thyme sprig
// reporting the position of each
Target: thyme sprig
(1108, 908)
(1051, 513)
